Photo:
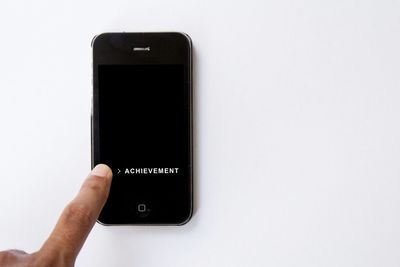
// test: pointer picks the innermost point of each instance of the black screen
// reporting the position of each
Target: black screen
(144, 133)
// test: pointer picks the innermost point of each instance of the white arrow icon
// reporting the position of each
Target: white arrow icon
(118, 171)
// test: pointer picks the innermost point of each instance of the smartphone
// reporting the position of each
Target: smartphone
(142, 126)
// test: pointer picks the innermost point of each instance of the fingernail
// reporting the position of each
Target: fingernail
(101, 170)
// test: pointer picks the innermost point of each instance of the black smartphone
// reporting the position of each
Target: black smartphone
(142, 126)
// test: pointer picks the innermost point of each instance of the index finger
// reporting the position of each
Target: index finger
(79, 216)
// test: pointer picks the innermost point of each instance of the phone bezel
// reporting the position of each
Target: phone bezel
(117, 49)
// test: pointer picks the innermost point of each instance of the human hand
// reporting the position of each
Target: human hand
(73, 227)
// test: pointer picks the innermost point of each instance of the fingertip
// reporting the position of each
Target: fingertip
(102, 170)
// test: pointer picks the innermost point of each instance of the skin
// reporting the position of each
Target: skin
(74, 225)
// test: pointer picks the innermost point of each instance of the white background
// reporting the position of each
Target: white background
(297, 131)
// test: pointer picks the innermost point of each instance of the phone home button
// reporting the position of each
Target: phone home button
(143, 210)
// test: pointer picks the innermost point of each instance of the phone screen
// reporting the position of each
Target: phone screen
(143, 120)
